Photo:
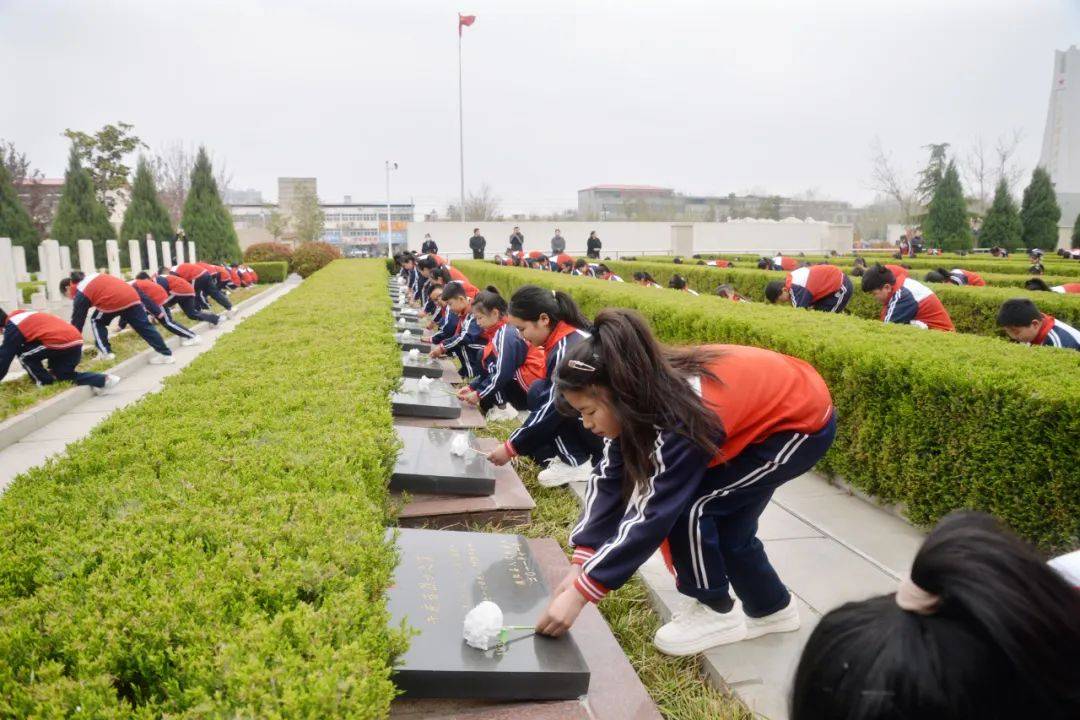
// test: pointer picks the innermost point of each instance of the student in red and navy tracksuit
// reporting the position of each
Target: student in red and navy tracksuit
(726, 290)
(205, 286)
(906, 301)
(1040, 284)
(467, 341)
(111, 297)
(956, 276)
(552, 321)
(678, 282)
(582, 267)
(717, 263)
(154, 299)
(778, 263)
(36, 338)
(1023, 323)
(508, 364)
(603, 272)
(181, 293)
(818, 287)
(443, 320)
(696, 440)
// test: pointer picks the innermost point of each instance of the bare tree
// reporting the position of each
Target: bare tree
(1008, 167)
(172, 166)
(482, 204)
(887, 179)
(978, 173)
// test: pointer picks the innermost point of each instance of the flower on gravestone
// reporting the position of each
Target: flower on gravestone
(414, 354)
(401, 322)
(460, 445)
(406, 335)
(424, 384)
(484, 629)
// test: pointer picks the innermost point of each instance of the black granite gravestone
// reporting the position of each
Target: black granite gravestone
(410, 325)
(422, 366)
(426, 465)
(412, 342)
(442, 574)
(437, 400)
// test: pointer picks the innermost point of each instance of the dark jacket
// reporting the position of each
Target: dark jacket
(558, 245)
(477, 243)
(592, 247)
(429, 247)
(517, 242)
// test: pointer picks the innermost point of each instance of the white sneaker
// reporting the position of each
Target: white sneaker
(162, 360)
(501, 414)
(783, 620)
(108, 356)
(698, 628)
(111, 381)
(559, 473)
(188, 342)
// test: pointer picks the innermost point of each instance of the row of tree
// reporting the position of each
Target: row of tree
(91, 189)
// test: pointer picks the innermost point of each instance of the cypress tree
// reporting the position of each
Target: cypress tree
(1040, 213)
(79, 214)
(946, 225)
(205, 219)
(1076, 233)
(15, 222)
(145, 214)
(1002, 225)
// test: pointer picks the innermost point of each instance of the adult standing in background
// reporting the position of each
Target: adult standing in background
(477, 243)
(558, 243)
(517, 240)
(592, 245)
(429, 246)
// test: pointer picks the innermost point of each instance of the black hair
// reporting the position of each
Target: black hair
(860, 261)
(1018, 312)
(3, 319)
(937, 276)
(1036, 284)
(858, 270)
(677, 282)
(427, 262)
(700, 262)
(773, 290)
(1002, 643)
(876, 276)
(602, 268)
(647, 277)
(453, 289)
(580, 263)
(529, 302)
(75, 278)
(764, 264)
(143, 276)
(677, 260)
(489, 299)
(1036, 269)
(725, 290)
(696, 256)
(647, 382)
(639, 275)
(442, 273)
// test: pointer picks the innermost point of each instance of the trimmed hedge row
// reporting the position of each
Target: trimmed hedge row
(972, 309)
(1054, 266)
(935, 421)
(271, 271)
(217, 549)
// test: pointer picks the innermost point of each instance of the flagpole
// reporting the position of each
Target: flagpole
(461, 124)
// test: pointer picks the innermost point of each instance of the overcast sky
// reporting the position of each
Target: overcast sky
(714, 96)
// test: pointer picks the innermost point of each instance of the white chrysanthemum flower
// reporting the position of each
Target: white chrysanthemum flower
(483, 625)
(424, 384)
(414, 354)
(460, 445)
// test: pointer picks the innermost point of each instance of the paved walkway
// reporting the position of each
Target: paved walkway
(830, 548)
(76, 423)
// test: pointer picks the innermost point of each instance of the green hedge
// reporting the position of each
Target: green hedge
(27, 289)
(270, 272)
(935, 421)
(217, 549)
(972, 309)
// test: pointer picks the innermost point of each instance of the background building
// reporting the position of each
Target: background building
(1061, 139)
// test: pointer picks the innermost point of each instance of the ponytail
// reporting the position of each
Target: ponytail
(994, 633)
(529, 302)
(677, 282)
(489, 299)
(648, 388)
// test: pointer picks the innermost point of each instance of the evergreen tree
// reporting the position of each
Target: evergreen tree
(1040, 213)
(1076, 233)
(205, 219)
(15, 222)
(946, 225)
(1002, 225)
(145, 214)
(79, 215)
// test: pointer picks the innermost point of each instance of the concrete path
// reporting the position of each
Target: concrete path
(77, 420)
(829, 547)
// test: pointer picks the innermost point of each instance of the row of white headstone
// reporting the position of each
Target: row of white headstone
(54, 261)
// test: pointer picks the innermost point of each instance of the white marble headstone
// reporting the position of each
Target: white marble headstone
(134, 257)
(9, 292)
(112, 255)
(151, 254)
(166, 254)
(18, 259)
(86, 256)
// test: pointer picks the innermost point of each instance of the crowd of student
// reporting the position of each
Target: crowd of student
(50, 348)
(682, 448)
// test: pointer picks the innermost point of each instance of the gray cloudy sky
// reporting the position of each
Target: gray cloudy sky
(710, 96)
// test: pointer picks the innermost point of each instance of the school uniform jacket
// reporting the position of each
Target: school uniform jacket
(808, 285)
(957, 276)
(190, 271)
(153, 296)
(539, 428)
(1055, 333)
(507, 358)
(26, 327)
(175, 285)
(784, 263)
(470, 289)
(467, 344)
(106, 293)
(1067, 288)
(911, 300)
(447, 320)
(760, 393)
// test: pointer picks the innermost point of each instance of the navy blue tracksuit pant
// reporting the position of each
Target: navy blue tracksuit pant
(206, 285)
(135, 316)
(190, 307)
(570, 441)
(720, 529)
(62, 365)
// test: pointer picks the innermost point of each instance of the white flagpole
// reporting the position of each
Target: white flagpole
(461, 125)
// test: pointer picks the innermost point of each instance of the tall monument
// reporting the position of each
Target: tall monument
(1061, 140)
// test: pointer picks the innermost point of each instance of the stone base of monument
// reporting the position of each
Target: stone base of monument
(509, 504)
(614, 690)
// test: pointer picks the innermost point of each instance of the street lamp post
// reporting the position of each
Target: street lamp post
(389, 226)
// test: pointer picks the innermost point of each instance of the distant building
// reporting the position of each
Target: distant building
(649, 202)
(40, 198)
(1061, 138)
(242, 197)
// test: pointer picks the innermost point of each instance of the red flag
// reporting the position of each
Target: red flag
(463, 20)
